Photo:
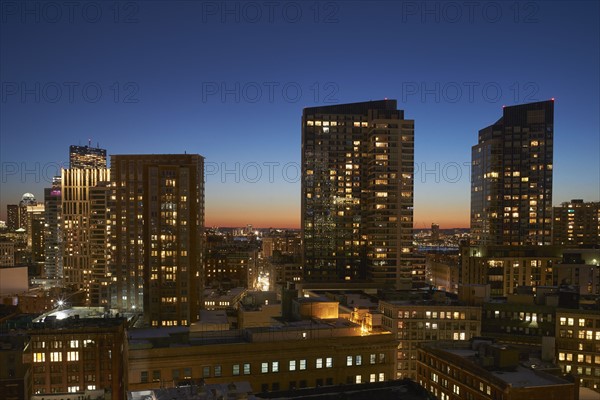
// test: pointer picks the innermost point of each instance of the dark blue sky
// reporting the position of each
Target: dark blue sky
(228, 80)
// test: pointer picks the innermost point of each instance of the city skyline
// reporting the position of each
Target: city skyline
(237, 102)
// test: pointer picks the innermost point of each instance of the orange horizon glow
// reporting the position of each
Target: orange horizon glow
(289, 217)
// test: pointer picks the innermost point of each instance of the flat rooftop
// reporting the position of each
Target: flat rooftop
(520, 377)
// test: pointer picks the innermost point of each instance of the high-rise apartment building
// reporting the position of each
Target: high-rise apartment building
(511, 188)
(12, 217)
(86, 157)
(87, 169)
(576, 223)
(357, 193)
(76, 209)
(100, 253)
(36, 232)
(157, 236)
(53, 267)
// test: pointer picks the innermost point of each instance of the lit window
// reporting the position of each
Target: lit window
(302, 365)
(246, 369)
(358, 360)
(39, 357)
(349, 361)
(358, 379)
(236, 369)
(319, 363)
(329, 362)
(56, 356)
(72, 356)
(264, 367)
(292, 365)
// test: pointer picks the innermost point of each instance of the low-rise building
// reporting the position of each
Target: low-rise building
(301, 354)
(414, 322)
(74, 355)
(15, 382)
(517, 321)
(478, 371)
(578, 345)
(505, 268)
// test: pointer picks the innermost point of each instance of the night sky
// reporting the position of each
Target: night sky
(229, 80)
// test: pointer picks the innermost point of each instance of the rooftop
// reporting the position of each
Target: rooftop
(525, 374)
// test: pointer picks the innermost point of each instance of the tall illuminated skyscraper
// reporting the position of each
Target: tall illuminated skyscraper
(357, 193)
(87, 169)
(157, 236)
(511, 187)
(53, 264)
(86, 157)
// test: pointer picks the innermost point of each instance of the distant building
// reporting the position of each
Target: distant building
(76, 187)
(413, 322)
(230, 263)
(518, 322)
(13, 220)
(27, 199)
(157, 236)
(486, 371)
(36, 229)
(511, 187)
(505, 268)
(443, 271)
(580, 268)
(83, 157)
(99, 245)
(576, 223)
(53, 251)
(357, 193)
(216, 299)
(7, 253)
(435, 231)
(284, 242)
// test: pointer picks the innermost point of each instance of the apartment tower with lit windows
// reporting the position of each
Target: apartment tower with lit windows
(157, 236)
(357, 193)
(87, 168)
(511, 184)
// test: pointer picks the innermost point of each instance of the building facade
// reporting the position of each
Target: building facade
(578, 345)
(78, 355)
(299, 355)
(357, 193)
(412, 323)
(487, 372)
(157, 236)
(53, 252)
(76, 185)
(15, 382)
(505, 268)
(83, 157)
(13, 220)
(577, 224)
(511, 188)
(519, 323)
